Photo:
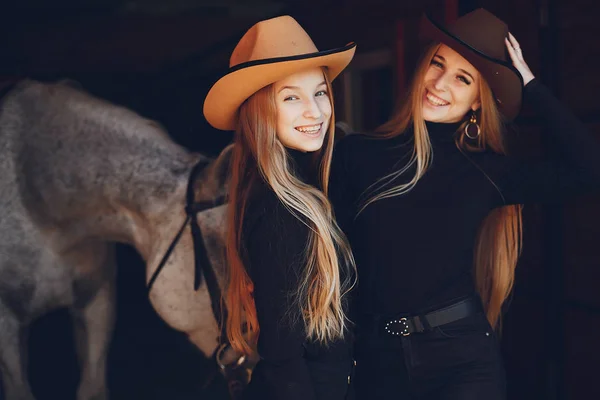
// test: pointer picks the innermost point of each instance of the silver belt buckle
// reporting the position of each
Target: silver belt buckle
(403, 325)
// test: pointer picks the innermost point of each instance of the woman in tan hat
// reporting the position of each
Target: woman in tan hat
(431, 207)
(290, 265)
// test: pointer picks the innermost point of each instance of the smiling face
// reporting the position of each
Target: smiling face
(303, 110)
(451, 87)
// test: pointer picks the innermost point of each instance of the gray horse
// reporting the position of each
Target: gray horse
(77, 175)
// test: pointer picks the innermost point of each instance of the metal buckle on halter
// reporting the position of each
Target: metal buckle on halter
(220, 354)
(403, 325)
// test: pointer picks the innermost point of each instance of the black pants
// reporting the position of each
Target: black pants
(460, 360)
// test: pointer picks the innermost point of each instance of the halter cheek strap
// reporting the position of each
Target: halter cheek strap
(202, 266)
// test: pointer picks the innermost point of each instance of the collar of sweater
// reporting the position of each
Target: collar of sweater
(303, 165)
(442, 132)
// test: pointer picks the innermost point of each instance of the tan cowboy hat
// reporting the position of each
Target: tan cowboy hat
(479, 37)
(270, 51)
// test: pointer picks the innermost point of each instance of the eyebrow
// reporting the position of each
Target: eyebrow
(297, 87)
(460, 69)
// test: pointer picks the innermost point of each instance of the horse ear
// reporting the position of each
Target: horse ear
(222, 164)
(215, 178)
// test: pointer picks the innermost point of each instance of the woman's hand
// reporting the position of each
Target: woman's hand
(514, 50)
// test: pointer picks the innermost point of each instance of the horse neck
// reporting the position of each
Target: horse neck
(135, 194)
(144, 197)
(95, 170)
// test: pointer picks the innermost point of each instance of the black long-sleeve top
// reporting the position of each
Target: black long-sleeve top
(415, 251)
(290, 367)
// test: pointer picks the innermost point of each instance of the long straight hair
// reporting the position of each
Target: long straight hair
(498, 243)
(329, 270)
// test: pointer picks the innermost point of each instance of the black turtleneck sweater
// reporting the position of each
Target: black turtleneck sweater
(290, 367)
(415, 251)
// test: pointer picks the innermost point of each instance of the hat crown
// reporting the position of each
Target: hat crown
(272, 38)
(482, 31)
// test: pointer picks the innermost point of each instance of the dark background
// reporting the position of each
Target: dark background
(159, 58)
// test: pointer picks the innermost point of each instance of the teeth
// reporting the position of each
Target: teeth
(436, 100)
(309, 129)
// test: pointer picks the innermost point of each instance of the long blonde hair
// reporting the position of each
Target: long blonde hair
(499, 240)
(329, 265)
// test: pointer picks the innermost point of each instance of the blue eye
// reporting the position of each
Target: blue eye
(437, 63)
(289, 98)
(321, 93)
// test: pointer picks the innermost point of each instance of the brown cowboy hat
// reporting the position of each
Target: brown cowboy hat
(270, 51)
(479, 37)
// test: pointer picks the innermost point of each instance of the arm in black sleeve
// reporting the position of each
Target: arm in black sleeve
(576, 171)
(340, 194)
(579, 146)
(275, 247)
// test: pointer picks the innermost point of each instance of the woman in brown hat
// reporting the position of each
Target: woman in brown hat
(431, 207)
(290, 265)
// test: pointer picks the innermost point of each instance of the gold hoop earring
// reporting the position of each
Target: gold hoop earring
(472, 125)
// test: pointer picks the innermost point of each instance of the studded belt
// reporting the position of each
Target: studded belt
(405, 326)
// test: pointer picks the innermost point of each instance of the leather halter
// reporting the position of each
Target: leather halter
(202, 266)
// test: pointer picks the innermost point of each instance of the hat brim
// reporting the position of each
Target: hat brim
(504, 79)
(242, 81)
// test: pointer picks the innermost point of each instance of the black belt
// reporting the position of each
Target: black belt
(406, 325)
